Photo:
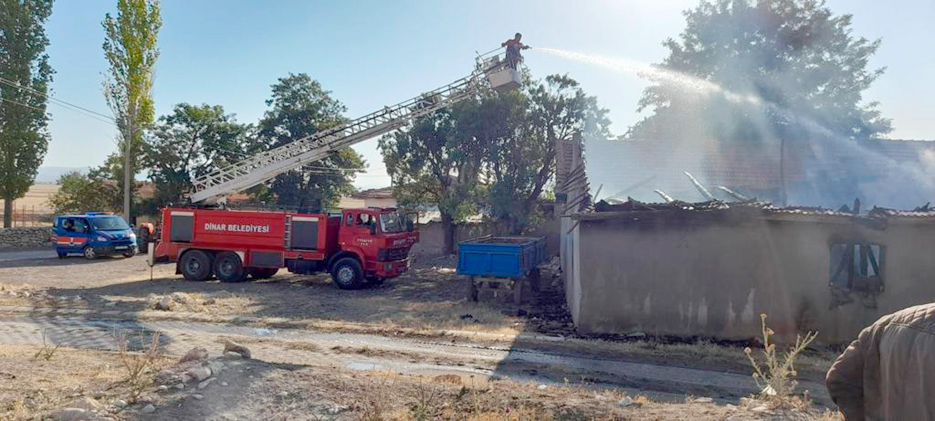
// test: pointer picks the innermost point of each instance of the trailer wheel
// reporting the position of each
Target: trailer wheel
(229, 268)
(347, 273)
(263, 273)
(195, 265)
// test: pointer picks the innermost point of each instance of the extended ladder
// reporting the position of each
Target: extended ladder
(266, 165)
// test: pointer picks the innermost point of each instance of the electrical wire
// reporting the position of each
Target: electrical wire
(21, 104)
(62, 103)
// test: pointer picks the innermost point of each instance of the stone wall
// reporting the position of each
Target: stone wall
(707, 274)
(24, 238)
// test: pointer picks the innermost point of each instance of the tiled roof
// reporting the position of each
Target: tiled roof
(384, 193)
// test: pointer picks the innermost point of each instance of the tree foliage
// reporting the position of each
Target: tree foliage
(188, 143)
(131, 52)
(25, 75)
(79, 193)
(493, 154)
(299, 107)
(522, 157)
(436, 162)
(760, 70)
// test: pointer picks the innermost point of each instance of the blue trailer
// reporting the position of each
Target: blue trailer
(499, 260)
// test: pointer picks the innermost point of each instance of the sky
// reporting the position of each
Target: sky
(370, 54)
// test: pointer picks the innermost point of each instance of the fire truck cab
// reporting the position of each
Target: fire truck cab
(357, 247)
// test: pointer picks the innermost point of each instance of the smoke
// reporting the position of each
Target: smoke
(829, 169)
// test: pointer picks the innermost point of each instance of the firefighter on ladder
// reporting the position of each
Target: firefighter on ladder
(513, 47)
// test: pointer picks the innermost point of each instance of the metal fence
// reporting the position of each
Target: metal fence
(29, 216)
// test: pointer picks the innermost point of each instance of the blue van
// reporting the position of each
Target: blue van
(93, 234)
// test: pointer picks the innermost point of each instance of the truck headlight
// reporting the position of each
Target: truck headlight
(132, 237)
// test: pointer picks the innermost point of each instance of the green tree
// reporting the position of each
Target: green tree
(436, 161)
(189, 143)
(301, 107)
(522, 130)
(131, 52)
(763, 70)
(25, 75)
(80, 193)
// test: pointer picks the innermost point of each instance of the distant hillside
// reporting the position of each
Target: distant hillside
(50, 175)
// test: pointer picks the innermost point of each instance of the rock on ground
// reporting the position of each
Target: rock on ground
(236, 348)
(194, 354)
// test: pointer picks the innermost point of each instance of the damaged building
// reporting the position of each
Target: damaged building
(711, 268)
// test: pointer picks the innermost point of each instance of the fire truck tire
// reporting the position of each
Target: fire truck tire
(229, 268)
(263, 273)
(195, 265)
(347, 273)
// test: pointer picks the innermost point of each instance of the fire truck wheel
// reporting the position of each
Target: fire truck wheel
(229, 268)
(263, 273)
(347, 273)
(195, 265)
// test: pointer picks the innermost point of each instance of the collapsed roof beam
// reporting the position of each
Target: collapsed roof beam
(734, 194)
(663, 195)
(704, 192)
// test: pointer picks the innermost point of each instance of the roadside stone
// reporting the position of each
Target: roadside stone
(236, 348)
(120, 403)
(163, 388)
(194, 354)
(75, 414)
(205, 383)
(98, 395)
(90, 404)
(197, 396)
(180, 386)
(148, 409)
(627, 402)
(224, 384)
(542, 387)
(760, 409)
(165, 304)
(704, 400)
(199, 373)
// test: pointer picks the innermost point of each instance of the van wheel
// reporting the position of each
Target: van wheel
(62, 255)
(89, 253)
(347, 273)
(195, 265)
(263, 273)
(229, 268)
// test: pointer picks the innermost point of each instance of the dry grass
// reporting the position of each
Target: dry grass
(30, 386)
(196, 302)
(140, 367)
(47, 350)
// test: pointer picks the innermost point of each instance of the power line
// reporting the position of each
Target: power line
(21, 104)
(62, 103)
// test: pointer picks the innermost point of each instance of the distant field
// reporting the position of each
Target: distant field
(37, 198)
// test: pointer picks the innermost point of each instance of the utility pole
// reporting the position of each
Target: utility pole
(127, 171)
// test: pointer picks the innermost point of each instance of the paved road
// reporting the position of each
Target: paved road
(375, 352)
(8, 256)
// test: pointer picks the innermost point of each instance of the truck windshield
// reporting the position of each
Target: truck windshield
(109, 223)
(391, 222)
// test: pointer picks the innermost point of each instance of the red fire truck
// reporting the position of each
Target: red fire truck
(357, 247)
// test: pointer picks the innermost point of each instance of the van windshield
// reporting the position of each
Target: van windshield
(109, 223)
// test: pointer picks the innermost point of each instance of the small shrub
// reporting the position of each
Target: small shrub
(776, 378)
(424, 407)
(47, 351)
(140, 366)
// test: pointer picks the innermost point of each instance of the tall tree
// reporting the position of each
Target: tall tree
(521, 151)
(25, 75)
(130, 49)
(189, 143)
(301, 107)
(80, 193)
(766, 68)
(436, 161)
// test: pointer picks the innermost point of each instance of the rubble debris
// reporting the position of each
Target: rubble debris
(704, 192)
(663, 195)
(734, 194)
(199, 373)
(236, 348)
(194, 354)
